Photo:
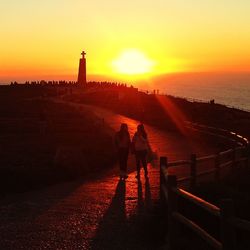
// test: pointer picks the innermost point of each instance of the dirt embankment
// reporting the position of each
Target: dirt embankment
(42, 143)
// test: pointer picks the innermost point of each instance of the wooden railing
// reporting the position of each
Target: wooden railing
(171, 194)
(218, 132)
(212, 164)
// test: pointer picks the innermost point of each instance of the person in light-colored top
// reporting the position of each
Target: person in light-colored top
(122, 143)
(140, 147)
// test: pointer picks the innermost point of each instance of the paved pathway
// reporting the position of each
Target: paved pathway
(102, 213)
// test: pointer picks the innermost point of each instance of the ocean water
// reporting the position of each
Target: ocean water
(229, 89)
(229, 94)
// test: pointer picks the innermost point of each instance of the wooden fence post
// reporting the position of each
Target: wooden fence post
(217, 167)
(228, 238)
(172, 207)
(193, 171)
(163, 162)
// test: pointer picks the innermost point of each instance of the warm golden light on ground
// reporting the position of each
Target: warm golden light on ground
(132, 62)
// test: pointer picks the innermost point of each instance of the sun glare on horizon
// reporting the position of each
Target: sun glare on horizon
(132, 62)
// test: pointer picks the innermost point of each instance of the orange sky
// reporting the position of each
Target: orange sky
(44, 39)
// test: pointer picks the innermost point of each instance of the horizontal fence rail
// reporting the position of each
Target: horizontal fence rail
(198, 230)
(223, 133)
(178, 163)
(206, 158)
(198, 201)
(171, 194)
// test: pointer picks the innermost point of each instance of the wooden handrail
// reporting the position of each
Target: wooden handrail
(182, 179)
(178, 163)
(198, 230)
(206, 158)
(229, 151)
(212, 209)
(170, 191)
(218, 135)
(225, 164)
(228, 221)
(240, 136)
(225, 132)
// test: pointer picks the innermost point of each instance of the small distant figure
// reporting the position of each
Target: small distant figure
(140, 147)
(122, 142)
(212, 101)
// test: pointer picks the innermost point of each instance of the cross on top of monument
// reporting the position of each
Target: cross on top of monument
(83, 54)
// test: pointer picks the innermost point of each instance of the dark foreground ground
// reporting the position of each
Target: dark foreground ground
(42, 143)
(98, 212)
(101, 212)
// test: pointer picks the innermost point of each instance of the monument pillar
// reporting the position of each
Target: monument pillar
(82, 79)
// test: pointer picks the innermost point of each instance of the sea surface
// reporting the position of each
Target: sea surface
(229, 89)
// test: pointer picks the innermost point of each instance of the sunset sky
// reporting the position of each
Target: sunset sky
(44, 39)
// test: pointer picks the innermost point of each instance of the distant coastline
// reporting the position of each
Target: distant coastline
(229, 89)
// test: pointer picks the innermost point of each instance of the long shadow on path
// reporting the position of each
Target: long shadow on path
(136, 229)
(144, 205)
(112, 231)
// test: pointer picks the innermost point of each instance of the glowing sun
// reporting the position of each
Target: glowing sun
(132, 62)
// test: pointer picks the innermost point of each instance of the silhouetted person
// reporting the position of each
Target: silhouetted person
(122, 142)
(212, 101)
(140, 148)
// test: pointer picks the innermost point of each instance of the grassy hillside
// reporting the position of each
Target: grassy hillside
(42, 143)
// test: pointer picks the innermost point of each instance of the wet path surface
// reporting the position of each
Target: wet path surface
(104, 213)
